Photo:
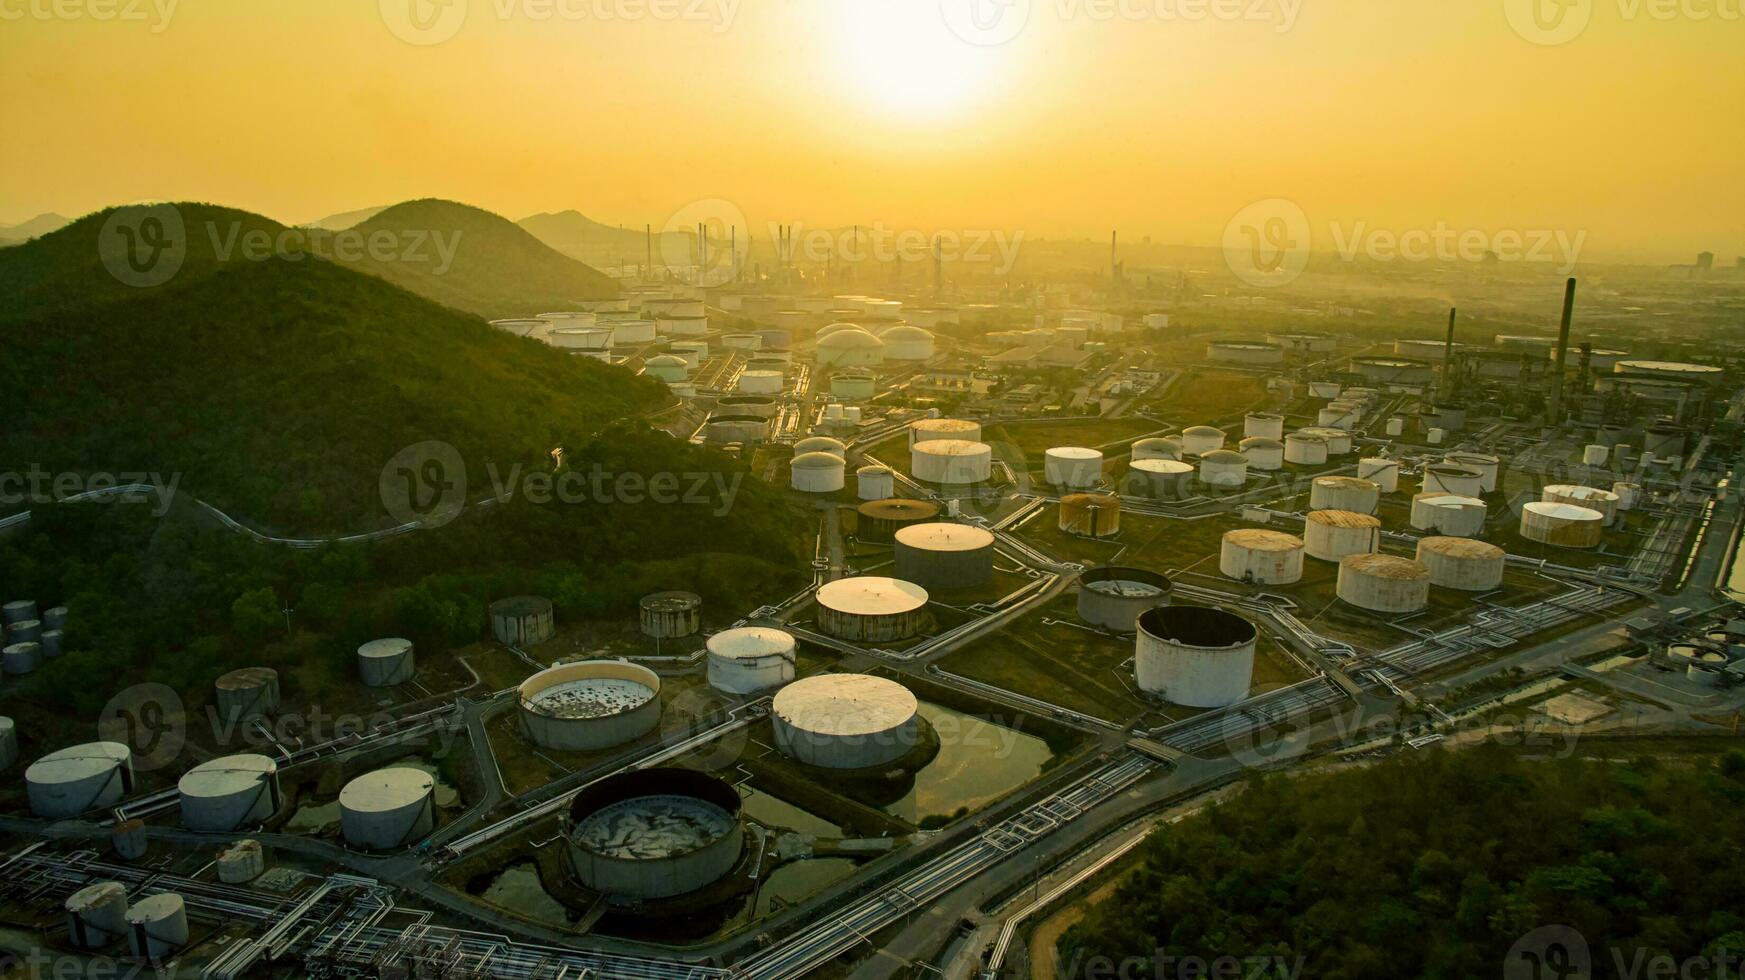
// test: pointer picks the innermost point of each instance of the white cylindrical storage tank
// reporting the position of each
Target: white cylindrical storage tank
(952, 461)
(1595, 455)
(589, 705)
(845, 721)
(388, 808)
(1434, 436)
(817, 473)
(644, 834)
(1264, 425)
(875, 483)
(1338, 440)
(1305, 449)
(850, 348)
(24, 631)
(20, 658)
(1073, 467)
(626, 332)
(1463, 481)
(1449, 513)
(1263, 557)
(1562, 525)
(751, 659)
(79, 778)
(1604, 501)
(1629, 494)
(247, 693)
(1331, 535)
(241, 862)
(1486, 465)
(386, 662)
(670, 615)
(1264, 453)
(1384, 583)
(761, 382)
(1159, 447)
(523, 620)
(1384, 473)
(1344, 493)
(1223, 468)
(907, 343)
(96, 915)
(941, 556)
(673, 325)
(8, 743)
(229, 793)
(1114, 598)
(18, 611)
(1162, 479)
(1462, 563)
(873, 609)
(580, 338)
(1198, 440)
(55, 618)
(1194, 656)
(742, 341)
(666, 367)
(927, 430)
(1396, 426)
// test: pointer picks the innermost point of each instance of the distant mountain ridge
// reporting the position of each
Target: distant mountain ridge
(36, 227)
(346, 219)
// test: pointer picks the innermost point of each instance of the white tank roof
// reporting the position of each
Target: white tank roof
(845, 704)
(1565, 512)
(817, 461)
(1074, 452)
(951, 447)
(850, 339)
(386, 790)
(78, 762)
(226, 776)
(872, 595)
(750, 643)
(1164, 467)
(945, 537)
(392, 646)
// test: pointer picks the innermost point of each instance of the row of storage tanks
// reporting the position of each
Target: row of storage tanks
(30, 638)
(849, 345)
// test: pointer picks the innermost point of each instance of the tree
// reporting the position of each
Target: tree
(256, 615)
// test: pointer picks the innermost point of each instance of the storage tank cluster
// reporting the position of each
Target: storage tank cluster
(589, 705)
(79, 778)
(846, 721)
(951, 461)
(1261, 557)
(750, 659)
(873, 609)
(1092, 515)
(523, 621)
(1073, 467)
(1562, 525)
(96, 915)
(1462, 563)
(940, 556)
(388, 809)
(649, 834)
(386, 662)
(1383, 583)
(670, 615)
(229, 793)
(28, 639)
(1332, 535)
(1195, 656)
(1344, 493)
(1451, 514)
(1114, 597)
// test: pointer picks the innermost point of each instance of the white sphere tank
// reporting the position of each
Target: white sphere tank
(1305, 449)
(1384, 473)
(1073, 467)
(388, 808)
(1263, 557)
(925, 430)
(1198, 440)
(817, 473)
(1562, 525)
(873, 609)
(1223, 468)
(386, 662)
(1344, 493)
(1450, 514)
(1159, 447)
(1264, 453)
(229, 793)
(1487, 466)
(845, 721)
(78, 778)
(1195, 656)
(1604, 501)
(875, 483)
(1264, 425)
(952, 461)
(157, 925)
(750, 659)
(1462, 481)
(1331, 535)
(1462, 563)
(96, 915)
(1384, 583)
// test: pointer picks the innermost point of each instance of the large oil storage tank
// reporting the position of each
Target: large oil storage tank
(1092, 515)
(1451, 514)
(1244, 352)
(1488, 467)
(1393, 370)
(751, 659)
(670, 615)
(70, 781)
(589, 705)
(386, 662)
(850, 348)
(1263, 425)
(907, 343)
(1604, 501)
(1344, 493)
(1462, 563)
(388, 808)
(1563, 525)
(1463, 481)
(1305, 449)
(854, 386)
(817, 473)
(873, 482)
(1195, 656)
(1264, 453)
(845, 721)
(1158, 447)
(649, 834)
(523, 620)
(760, 382)
(1384, 583)
(20, 658)
(1223, 468)
(96, 915)
(924, 430)
(879, 520)
(952, 461)
(873, 609)
(1113, 597)
(666, 367)
(229, 793)
(1073, 467)
(1675, 370)
(942, 556)
(1198, 440)
(1331, 535)
(18, 611)
(1338, 440)
(735, 406)
(821, 444)
(1262, 557)
(1384, 473)
(723, 430)
(1161, 479)
(247, 693)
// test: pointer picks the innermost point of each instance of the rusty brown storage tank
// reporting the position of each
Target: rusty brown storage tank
(1091, 515)
(1462, 563)
(879, 520)
(1383, 583)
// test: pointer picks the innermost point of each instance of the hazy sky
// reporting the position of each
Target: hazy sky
(1157, 117)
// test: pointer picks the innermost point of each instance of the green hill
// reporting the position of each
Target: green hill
(472, 260)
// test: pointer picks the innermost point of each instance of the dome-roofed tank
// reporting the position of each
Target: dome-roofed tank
(751, 659)
(873, 609)
(845, 721)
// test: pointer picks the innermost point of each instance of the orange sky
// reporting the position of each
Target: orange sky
(1156, 117)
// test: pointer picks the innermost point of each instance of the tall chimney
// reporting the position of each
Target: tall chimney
(1448, 359)
(1555, 417)
(648, 243)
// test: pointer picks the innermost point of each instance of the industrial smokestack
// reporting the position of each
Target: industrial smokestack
(1555, 416)
(1448, 359)
(648, 244)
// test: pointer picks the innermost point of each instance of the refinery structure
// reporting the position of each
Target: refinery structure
(1076, 561)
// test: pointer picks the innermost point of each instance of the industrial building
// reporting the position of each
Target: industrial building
(846, 721)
